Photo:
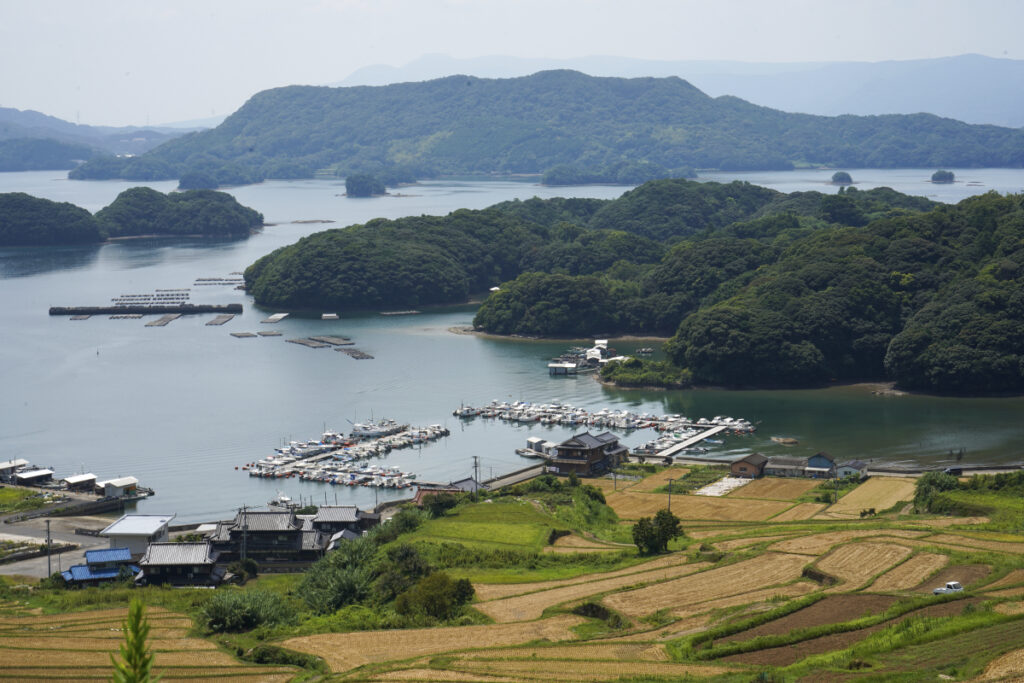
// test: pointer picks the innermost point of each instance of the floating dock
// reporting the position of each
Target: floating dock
(221, 319)
(328, 316)
(269, 333)
(163, 320)
(276, 318)
(400, 312)
(690, 442)
(146, 309)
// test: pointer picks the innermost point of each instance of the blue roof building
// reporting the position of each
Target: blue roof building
(100, 566)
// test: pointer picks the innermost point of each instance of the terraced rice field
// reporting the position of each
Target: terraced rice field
(1007, 667)
(819, 544)
(494, 591)
(880, 493)
(828, 611)
(532, 605)
(577, 544)
(998, 546)
(775, 488)
(856, 563)
(799, 512)
(749, 598)
(738, 543)
(765, 570)
(1012, 578)
(344, 651)
(606, 651)
(911, 573)
(632, 506)
(557, 670)
(78, 647)
(659, 479)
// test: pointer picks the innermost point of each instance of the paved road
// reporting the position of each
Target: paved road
(61, 530)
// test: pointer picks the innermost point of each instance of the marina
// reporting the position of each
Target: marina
(146, 309)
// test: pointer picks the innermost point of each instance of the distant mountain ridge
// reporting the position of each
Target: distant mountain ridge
(464, 124)
(18, 124)
(970, 88)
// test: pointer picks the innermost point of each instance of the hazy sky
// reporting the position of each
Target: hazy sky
(120, 62)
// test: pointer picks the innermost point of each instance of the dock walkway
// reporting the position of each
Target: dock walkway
(683, 445)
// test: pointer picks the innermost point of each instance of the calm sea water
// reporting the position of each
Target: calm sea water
(182, 406)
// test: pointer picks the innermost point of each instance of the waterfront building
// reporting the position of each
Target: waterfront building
(136, 532)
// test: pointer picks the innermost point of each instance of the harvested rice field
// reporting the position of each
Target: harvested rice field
(532, 605)
(827, 611)
(577, 544)
(753, 598)
(659, 479)
(776, 488)
(557, 670)
(494, 591)
(606, 651)
(765, 570)
(632, 506)
(1013, 578)
(78, 647)
(737, 543)
(856, 563)
(980, 544)
(344, 651)
(799, 512)
(911, 573)
(966, 574)
(1008, 667)
(819, 544)
(880, 493)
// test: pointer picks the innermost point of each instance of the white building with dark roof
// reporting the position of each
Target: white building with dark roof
(135, 532)
(8, 468)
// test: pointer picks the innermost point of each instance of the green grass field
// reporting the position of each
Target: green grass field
(19, 500)
(499, 524)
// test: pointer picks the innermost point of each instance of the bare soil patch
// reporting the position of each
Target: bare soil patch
(832, 609)
(1009, 665)
(1011, 579)
(776, 488)
(911, 573)
(966, 574)
(344, 651)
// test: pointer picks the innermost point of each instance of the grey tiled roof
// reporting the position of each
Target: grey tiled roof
(337, 513)
(263, 520)
(178, 553)
(786, 461)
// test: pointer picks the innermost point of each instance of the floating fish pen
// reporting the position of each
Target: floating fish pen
(311, 343)
(169, 317)
(221, 319)
(82, 317)
(333, 340)
(400, 312)
(269, 333)
(147, 309)
(276, 318)
(201, 281)
(242, 335)
(356, 353)
(121, 316)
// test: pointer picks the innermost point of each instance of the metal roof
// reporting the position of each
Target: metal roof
(120, 481)
(337, 513)
(82, 572)
(11, 464)
(178, 553)
(80, 478)
(137, 525)
(33, 474)
(108, 555)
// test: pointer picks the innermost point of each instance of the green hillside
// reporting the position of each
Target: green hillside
(571, 124)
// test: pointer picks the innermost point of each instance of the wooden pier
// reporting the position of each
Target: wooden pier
(687, 443)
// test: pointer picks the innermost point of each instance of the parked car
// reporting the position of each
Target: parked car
(950, 587)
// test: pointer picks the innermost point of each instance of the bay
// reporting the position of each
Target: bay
(182, 406)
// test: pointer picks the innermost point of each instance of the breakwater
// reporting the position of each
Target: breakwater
(147, 309)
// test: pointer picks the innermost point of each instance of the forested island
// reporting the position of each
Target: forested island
(755, 287)
(140, 211)
(573, 127)
(41, 154)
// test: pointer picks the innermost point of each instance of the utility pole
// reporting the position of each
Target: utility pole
(476, 474)
(49, 571)
(670, 495)
(245, 532)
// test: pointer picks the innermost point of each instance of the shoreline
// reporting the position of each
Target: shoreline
(469, 331)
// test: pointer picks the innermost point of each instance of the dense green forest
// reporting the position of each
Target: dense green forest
(755, 287)
(40, 154)
(26, 220)
(144, 211)
(568, 124)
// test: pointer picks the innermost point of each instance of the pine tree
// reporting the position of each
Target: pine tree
(138, 660)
